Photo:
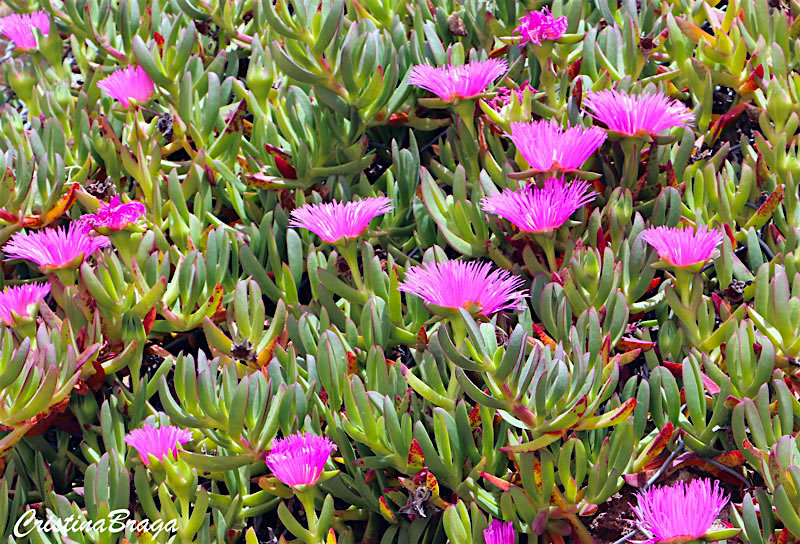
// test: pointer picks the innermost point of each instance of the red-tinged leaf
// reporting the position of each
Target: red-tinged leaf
(676, 369)
(286, 169)
(370, 476)
(331, 537)
(497, 482)
(655, 282)
(672, 180)
(765, 211)
(725, 120)
(398, 119)
(352, 363)
(751, 83)
(99, 376)
(657, 445)
(546, 340)
(783, 537)
(260, 181)
(385, 511)
(601, 240)
(587, 509)
(730, 459)
(710, 384)
(432, 483)
(634, 343)
(730, 235)
(731, 402)
(8, 217)
(754, 450)
(416, 460)
(776, 235)
(639, 479)
(148, 320)
(422, 336)
(612, 417)
(572, 72)
(499, 52)
(475, 417)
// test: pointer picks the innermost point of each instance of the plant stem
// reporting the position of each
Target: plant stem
(348, 249)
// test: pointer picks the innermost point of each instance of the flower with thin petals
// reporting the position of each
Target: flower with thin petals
(126, 84)
(159, 442)
(679, 513)
(683, 248)
(115, 215)
(540, 25)
(462, 81)
(638, 114)
(337, 220)
(469, 285)
(547, 147)
(20, 299)
(499, 532)
(535, 210)
(504, 96)
(299, 459)
(52, 248)
(19, 28)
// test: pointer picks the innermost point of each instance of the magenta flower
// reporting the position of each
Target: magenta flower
(540, 25)
(547, 147)
(337, 220)
(20, 299)
(470, 285)
(683, 248)
(463, 81)
(680, 513)
(131, 83)
(499, 532)
(638, 114)
(53, 249)
(535, 210)
(504, 96)
(158, 442)
(299, 459)
(19, 28)
(115, 215)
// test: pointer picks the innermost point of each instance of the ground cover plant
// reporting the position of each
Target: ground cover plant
(374, 271)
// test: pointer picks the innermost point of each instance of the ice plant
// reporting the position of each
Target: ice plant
(474, 286)
(536, 210)
(457, 82)
(545, 146)
(54, 248)
(21, 299)
(19, 28)
(157, 441)
(499, 532)
(336, 221)
(115, 215)
(679, 513)
(683, 248)
(540, 25)
(126, 84)
(637, 114)
(299, 459)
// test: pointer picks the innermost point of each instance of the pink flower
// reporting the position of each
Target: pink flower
(683, 248)
(533, 209)
(158, 442)
(463, 81)
(638, 114)
(115, 215)
(540, 25)
(547, 147)
(299, 459)
(679, 513)
(52, 248)
(337, 220)
(504, 95)
(131, 83)
(469, 285)
(499, 532)
(19, 28)
(19, 300)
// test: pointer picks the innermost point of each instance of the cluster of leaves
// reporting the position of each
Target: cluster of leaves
(219, 318)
